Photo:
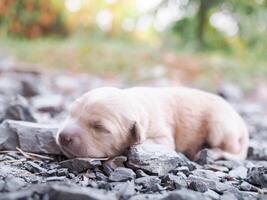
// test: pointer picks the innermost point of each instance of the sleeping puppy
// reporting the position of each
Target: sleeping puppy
(106, 121)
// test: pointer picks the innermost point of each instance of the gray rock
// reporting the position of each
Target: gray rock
(7, 170)
(231, 92)
(175, 181)
(30, 137)
(14, 183)
(235, 194)
(230, 164)
(10, 85)
(34, 167)
(155, 159)
(25, 194)
(198, 186)
(257, 176)
(239, 172)
(228, 196)
(122, 174)
(51, 172)
(2, 185)
(60, 192)
(100, 176)
(48, 103)
(62, 172)
(212, 195)
(148, 183)
(80, 164)
(17, 108)
(213, 185)
(147, 197)
(8, 139)
(29, 86)
(124, 189)
(248, 187)
(55, 178)
(216, 168)
(204, 156)
(257, 151)
(110, 165)
(182, 169)
(140, 173)
(205, 174)
(183, 194)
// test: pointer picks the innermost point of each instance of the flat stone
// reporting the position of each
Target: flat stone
(122, 174)
(80, 164)
(155, 159)
(30, 137)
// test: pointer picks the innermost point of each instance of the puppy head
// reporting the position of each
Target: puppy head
(102, 123)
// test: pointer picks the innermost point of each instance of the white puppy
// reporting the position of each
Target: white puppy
(106, 121)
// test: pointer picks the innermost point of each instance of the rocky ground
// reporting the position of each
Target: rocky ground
(33, 103)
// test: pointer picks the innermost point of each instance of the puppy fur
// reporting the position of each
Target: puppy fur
(104, 122)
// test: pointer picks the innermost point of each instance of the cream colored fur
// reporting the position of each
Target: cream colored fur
(106, 121)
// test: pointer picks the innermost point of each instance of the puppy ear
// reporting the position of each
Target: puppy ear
(137, 133)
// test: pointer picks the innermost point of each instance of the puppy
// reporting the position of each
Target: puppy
(104, 122)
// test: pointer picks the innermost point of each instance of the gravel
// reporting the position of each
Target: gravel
(29, 117)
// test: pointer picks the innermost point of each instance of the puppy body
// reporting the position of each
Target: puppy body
(181, 118)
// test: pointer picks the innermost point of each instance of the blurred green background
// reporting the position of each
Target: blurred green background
(196, 42)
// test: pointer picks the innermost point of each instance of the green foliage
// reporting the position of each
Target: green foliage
(250, 16)
(31, 18)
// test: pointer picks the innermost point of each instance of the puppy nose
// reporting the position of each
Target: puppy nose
(65, 139)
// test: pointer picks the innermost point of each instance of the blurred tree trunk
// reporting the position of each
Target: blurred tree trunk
(202, 18)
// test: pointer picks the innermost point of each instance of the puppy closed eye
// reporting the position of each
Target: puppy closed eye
(100, 128)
